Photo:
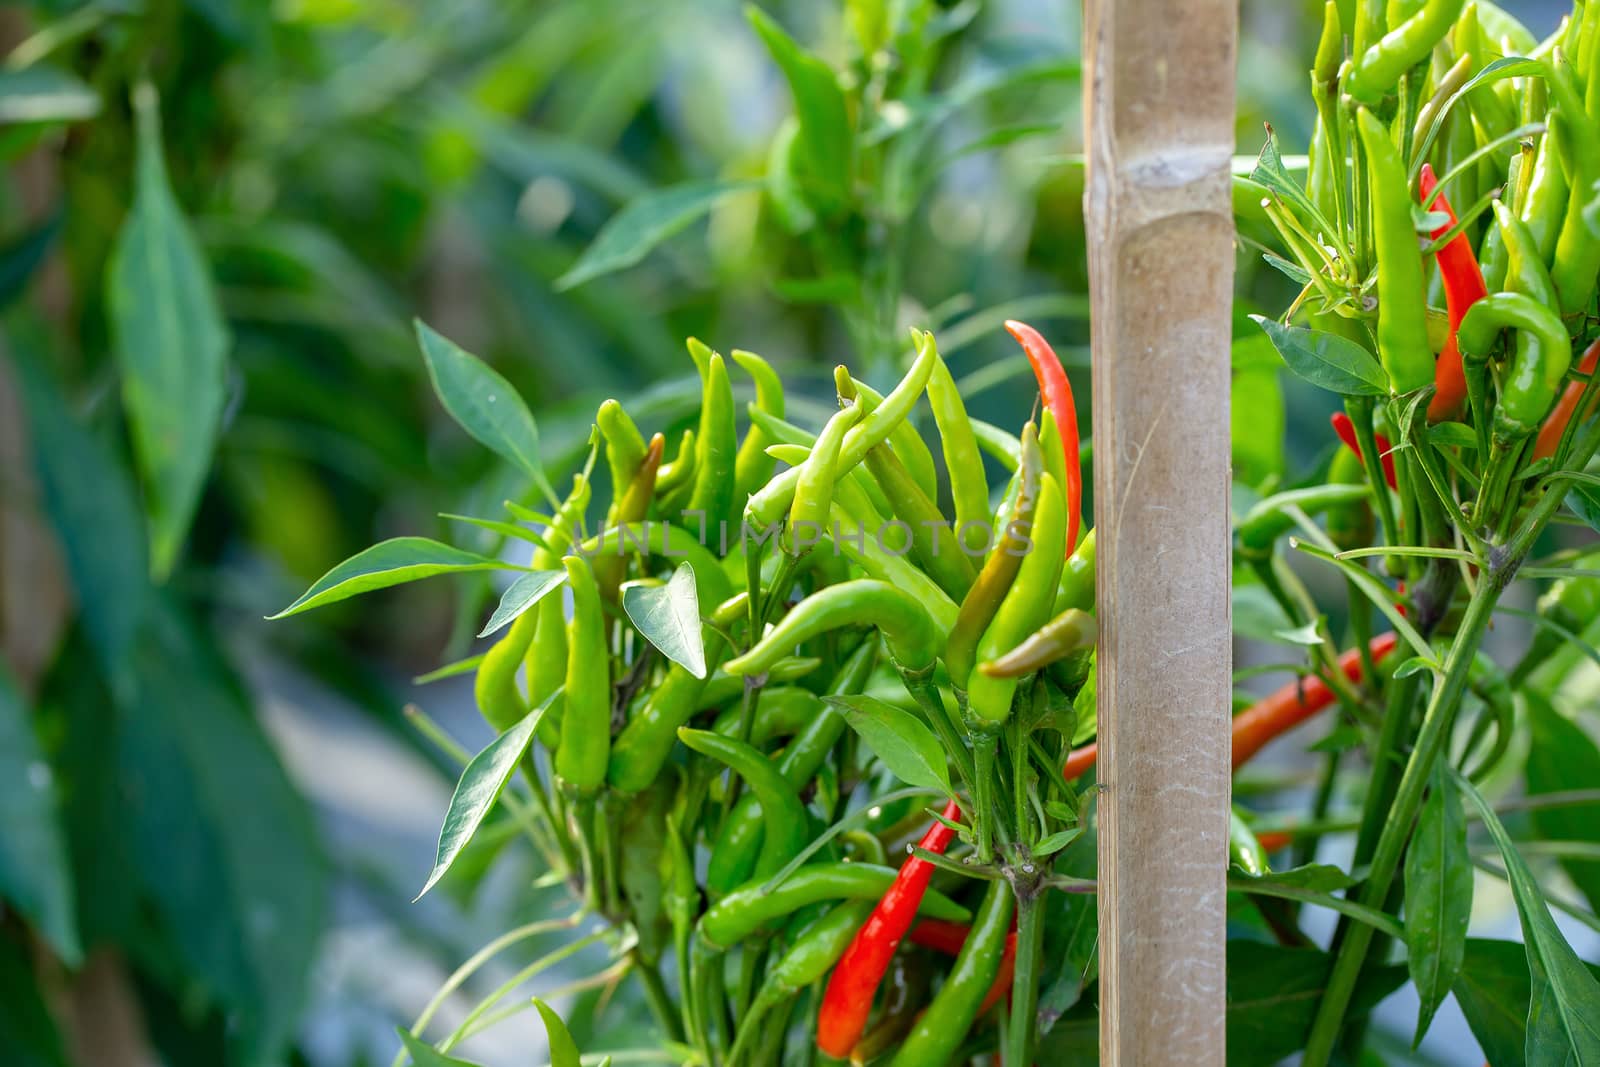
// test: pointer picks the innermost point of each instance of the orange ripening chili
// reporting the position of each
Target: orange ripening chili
(1271, 716)
(1463, 287)
(941, 935)
(1555, 424)
(848, 1000)
(1347, 433)
(1057, 390)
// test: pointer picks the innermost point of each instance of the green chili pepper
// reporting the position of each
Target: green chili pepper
(1570, 603)
(1536, 370)
(1350, 524)
(999, 571)
(1025, 608)
(904, 440)
(752, 467)
(642, 748)
(1525, 269)
(675, 480)
(733, 855)
(813, 497)
(1067, 634)
(643, 849)
(495, 686)
(1055, 454)
(1077, 578)
(911, 634)
(817, 948)
(631, 505)
(874, 428)
(717, 450)
(1545, 200)
(662, 540)
(933, 544)
(545, 664)
(625, 448)
(969, 489)
(1005, 447)
(939, 1033)
(787, 828)
(586, 715)
(1244, 851)
(1576, 260)
(1272, 517)
(744, 911)
(1381, 66)
(722, 687)
(781, 711)
(1403, 343)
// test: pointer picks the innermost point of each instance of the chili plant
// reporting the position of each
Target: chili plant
(1454, 162)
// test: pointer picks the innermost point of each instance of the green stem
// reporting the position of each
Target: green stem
(1436, 722)
(984, 746)
(655, 991)
(922, 688)
(1025, 977)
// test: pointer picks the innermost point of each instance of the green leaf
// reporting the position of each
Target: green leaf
(1273, 993)
(171, 344)
(425, 1055)
(1584, 500)
(21, 257)
(1562, 757)
(669, 617)
(1452, 435)
(1493, 990)
(521, 595)
(646, 221)
(905, 745)
(1326, 360)
(392, 562)
(1256, 411)
(826, 132)
(484, 404)
(1315, 877)
(1271, 173)
(42, 93)
(1307, 636)
(27, 1031)
(480, 785)
(35, 878)
(1563, 1025)
(563, 1050)
(1438, 900)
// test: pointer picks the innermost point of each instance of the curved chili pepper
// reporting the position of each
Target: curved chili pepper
(848, 999)
(1576, 260)
(1077, 578)
(813, 494)
(717, 450)
(1272, 715)
(1537, 368)
(910, 632)
(1244, 851)
(545, 663)
(1381, 66)
(969, 489)
(1057, 390)
(1555, 424)
(787, 829)
(1403, 346)
(933, 543)
(1463, 287)
(625, 449)
(949, 938)
(752, 466)
(586, 715)
(1346, 430)
(1068, 633)
(643, 746)
(904, 440)
(630, 504)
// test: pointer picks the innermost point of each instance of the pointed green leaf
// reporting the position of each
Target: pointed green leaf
(478, 789)
(43, 93)
(171, 344)
(826, 131)
(521, 595)
(646, 221)
(392, 562)
(1563, 1023)
(1273, 993)
(905, 745)
(27, 1029)
(563, 1050)
(1493, 990)
(669, 618)
(425, 1055)
(484, 404)
(1326, 360)
(1438, 900)
(35, 878)
(1563, 757)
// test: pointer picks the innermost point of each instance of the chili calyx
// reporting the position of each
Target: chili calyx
(1347, 433)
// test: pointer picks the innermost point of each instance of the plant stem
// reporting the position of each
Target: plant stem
(984, 746)
(1025, 977)
(655, 991)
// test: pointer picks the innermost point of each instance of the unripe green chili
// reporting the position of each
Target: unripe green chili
(752, 467)
(969, 489)
(665, 541)
(1005, 447)
(999, 571)
(904, 440)
(675, 479)
(1244, 851)
(586, 715)
(1536, 370)
(911, 634)
(495, 685)
(1525, 266)
(1025, 608)
(1381, 66)
(546, 661)
(939, 1033)
(1068, 634)
(813, 496)
(744, 911)
(1077, 578)
(1403, 345)
(1545, 200)
(630, 505)
(1272, 517)
(642, 748)
(781, 711)
(786, 828)
(625, 449)
(722, 687)
(717, 449)
(1350, 525)
(933, 544)
(1571, 603)
(643, 844)
(1577, 253)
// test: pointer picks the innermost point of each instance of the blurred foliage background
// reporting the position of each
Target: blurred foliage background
(217, 221)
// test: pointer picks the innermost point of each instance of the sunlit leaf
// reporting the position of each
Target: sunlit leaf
(1326, 360)
(43, 93)
(563, 1050)
(646, 221)
(897, 737)
(392, 562)
(669, 618)
(521, 595)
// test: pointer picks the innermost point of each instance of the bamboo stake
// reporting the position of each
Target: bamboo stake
(1159, 118)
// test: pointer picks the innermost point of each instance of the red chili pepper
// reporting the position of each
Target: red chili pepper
(1347, 433)
(1555, 424)
(1274, 840)
(1057, 392)
(1463, 287)
(1272, 715)
(848, 1000)
(948, 937)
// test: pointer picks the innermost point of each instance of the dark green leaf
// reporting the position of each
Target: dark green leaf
(905, 745)
(521, 595)
(1326, 360)
(392, 562)
(1563, 1023)
(42, 93)
(1452, 435)
(478, 789)
(21, 257)
(484, 404)
(1438, 899)
(669, 618)
(646, 221)
(1562, 757)
(563, 1050)
(1493, 990)
(171, 344)
(27, 1032)
(1584, 500)
(1273, 993)
(825, 127)
(34, 875)
(425, 1055)
(1316, 877)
